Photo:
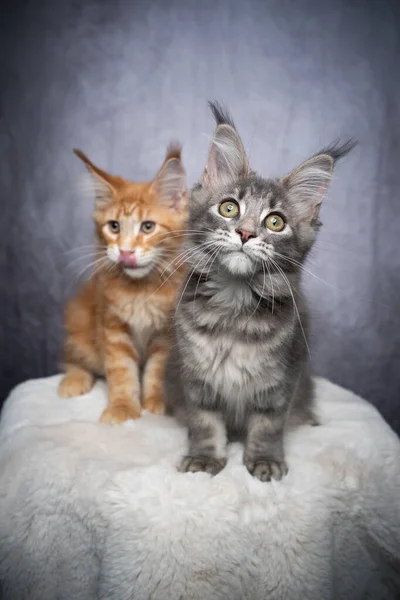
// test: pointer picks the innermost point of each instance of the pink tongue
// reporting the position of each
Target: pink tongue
(127, 259)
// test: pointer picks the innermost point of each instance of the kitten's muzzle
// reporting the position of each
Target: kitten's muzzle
(245, 235)
(127, 259)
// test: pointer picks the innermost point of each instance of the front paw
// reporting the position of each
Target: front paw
(266, 469)
(154, 404)
(75, 383)
(115, 415)
(194, 464)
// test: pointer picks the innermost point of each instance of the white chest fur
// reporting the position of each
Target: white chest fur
(144, 317)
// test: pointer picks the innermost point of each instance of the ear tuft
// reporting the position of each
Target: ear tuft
(102, 183)
(226, 159)
(338, 149)
(221, 114)
(174, 150)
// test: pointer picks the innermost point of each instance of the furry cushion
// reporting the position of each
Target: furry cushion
(94, 511)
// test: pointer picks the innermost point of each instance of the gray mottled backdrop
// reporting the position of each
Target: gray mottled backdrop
(120, 78)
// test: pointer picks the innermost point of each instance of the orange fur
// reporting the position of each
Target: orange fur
(117, 326)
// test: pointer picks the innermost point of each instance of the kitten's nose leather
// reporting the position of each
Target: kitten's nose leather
(245, 235)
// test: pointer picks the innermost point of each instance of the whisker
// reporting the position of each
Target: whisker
(194, 250)
(89, 266)
(110, 269)
(352, 250)
(297, 264)
(181, 233)
(82, 257)
(212, 258)
(186, 284)
(331, 285)
(294, 301)
(260, 297)
(157, 268)
(89, 246)
(172, 237)
(184, 255)
(272, 286)
(100, 267)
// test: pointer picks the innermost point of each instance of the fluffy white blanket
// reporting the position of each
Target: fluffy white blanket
(93, 511)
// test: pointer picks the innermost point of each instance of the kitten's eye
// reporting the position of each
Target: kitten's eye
(275, 222)
(114, 226)
(229, 208)
(147, 226)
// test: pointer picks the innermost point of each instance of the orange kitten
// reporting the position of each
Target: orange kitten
(117, 326)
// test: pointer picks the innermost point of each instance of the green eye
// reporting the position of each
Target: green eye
(229, 208)
(114, 226)
(275, 223)
(147, 226)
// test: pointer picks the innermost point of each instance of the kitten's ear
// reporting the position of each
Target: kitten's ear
(169, 186)
(226, 159)
(102, 184)
(308, 183)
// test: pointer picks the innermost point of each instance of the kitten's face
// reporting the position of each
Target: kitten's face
(243, 223)
(254, 226)
(137, 233)
(135, 222)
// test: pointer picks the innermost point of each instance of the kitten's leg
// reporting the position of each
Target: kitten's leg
(264, 452)
(76, 381)
(302, 408)
(207, 442)
(153, 398)
(81, 358)
(122, 374)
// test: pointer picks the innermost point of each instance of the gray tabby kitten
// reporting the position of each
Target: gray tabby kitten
(239, 361)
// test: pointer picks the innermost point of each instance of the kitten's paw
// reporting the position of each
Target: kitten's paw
(115, 415)
(154, 404)
(194, 464)
(266, 469)
(75, 383)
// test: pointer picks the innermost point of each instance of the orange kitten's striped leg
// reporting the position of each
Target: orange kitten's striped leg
(153, 378)
(81, 358)
(122, 374)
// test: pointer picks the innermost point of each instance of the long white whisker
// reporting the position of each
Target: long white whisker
(180, 233)
(183, 256)
(168, 239)
(272, 287)
(195, 250)
(82, 257)
(100, 266)
(297, 264)
(322, 240)
(213, 256)
(90, 265)
(186, 284)
(110, 269)
(89, 246)
(261, 296)
(294, 302)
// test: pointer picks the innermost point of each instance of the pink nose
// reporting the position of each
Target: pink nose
(245, 235)
(127, 259)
